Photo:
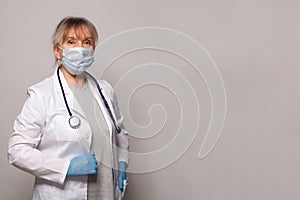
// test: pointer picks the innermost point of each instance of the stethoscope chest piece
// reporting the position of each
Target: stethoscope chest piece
(74, 122)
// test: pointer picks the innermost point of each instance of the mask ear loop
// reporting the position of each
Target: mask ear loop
(60, 48)
(59, 62)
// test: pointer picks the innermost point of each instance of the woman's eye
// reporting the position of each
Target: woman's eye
(87, 42)
(71, 42)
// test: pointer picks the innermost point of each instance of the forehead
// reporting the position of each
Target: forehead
(81, 33)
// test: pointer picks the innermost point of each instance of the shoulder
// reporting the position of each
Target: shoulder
(36, 99)
(106, 86)
(41, 88)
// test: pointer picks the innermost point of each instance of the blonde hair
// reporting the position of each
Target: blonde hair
(79, 24)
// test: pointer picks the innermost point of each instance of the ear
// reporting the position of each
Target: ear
(57, 52)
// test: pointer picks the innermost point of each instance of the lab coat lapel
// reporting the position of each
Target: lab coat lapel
(110, 106)
(99, 100)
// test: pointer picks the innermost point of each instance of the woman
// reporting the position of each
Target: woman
(69, 134)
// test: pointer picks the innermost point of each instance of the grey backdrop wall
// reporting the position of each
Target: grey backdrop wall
(255, 45)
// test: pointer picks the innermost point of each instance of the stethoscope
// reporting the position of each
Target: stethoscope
(75, 121)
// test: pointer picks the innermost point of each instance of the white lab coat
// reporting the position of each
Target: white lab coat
(43, 143)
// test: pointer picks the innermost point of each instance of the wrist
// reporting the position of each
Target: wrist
(122, 166)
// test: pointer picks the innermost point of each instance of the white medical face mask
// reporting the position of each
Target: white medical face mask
(77, 59)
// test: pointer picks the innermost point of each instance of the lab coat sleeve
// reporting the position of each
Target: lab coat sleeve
(23, 150)
(122, 137)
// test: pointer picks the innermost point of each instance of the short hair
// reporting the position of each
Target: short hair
(79, 24)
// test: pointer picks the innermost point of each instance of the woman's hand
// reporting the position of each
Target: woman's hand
(83, 165)
(122, 174)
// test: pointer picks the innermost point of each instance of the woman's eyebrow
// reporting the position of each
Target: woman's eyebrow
(88, 38)
(74, 38)
(71, 37)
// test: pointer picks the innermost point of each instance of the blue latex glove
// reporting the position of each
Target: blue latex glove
(83, 165)
(122, 174)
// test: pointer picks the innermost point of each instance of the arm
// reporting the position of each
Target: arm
(23, 144)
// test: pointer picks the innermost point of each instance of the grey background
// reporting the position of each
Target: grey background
(256, 47)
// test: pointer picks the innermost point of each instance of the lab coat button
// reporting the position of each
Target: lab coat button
(87, 136)
(82, 185)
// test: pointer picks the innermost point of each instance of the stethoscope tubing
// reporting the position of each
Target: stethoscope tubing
(63, 93)
(118, 129)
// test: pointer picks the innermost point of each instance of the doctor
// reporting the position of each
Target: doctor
(69, 134)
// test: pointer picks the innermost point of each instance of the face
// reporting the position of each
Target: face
(72, 39)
